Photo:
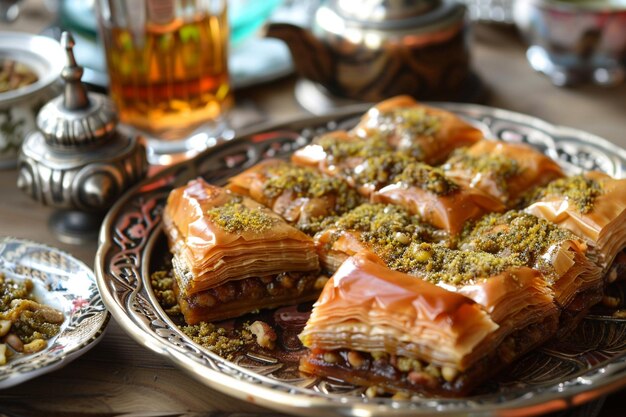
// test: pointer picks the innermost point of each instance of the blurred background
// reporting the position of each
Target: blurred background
(264, 81)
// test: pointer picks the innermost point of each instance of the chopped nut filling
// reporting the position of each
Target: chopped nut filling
(14, 75)
(25, 324)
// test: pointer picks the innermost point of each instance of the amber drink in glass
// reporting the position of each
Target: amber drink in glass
(168, 70)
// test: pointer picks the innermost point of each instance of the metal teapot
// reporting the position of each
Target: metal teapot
(374, 49)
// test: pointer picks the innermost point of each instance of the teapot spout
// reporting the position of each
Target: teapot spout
(312, 57)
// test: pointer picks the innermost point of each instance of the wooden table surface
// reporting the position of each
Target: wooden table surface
(120, 377)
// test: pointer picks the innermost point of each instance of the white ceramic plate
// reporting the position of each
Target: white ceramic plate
(64, 283)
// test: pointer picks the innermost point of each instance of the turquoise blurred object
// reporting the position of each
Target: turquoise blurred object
(245, 17)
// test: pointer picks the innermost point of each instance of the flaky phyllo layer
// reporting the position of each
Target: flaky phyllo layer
(592, 206)
(560, 255)
(367, 307)
(410, 334)
(505, 171)
(217, 236)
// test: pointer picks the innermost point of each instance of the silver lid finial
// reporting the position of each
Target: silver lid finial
(76, 118)
(75, 96)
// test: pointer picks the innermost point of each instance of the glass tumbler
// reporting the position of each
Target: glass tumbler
(167, 63)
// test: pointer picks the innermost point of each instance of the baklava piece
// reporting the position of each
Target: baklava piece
(561, 257)
(338, 153)
(401, 125)
(503, 170)
(427, 192)
(592, 206)
(391, 331)
(504, 285)
(425, 133)
(233, 255)
(301, 195)
(385, 230)
(511, 292)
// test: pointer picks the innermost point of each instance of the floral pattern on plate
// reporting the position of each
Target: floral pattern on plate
(64, 283)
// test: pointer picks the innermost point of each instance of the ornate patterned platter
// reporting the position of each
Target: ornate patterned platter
(64, 283)
(588, 364)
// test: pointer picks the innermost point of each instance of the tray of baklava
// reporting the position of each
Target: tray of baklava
(394, 259)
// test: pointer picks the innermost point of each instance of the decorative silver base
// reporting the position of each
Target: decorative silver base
(75, 227)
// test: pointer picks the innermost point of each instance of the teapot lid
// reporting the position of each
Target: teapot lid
(394, 14)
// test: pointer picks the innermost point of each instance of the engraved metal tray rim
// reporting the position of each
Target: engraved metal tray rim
(122, 265)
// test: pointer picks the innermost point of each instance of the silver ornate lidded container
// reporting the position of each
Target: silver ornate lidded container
(78, 161)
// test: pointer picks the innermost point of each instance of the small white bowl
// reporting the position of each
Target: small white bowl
(19, 107)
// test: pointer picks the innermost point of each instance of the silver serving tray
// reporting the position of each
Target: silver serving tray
(589, 364)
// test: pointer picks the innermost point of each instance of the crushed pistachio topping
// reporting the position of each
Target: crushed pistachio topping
(31, 326)
(309, 183)
(163, 286)
(578, 189)
(437, 263)
(235, 217)
(515, 234)
(412, 126)
(338, 148)
(217, 339)
(498, 167)
(414, 121)
(381, 170)
(29, 320)
(393, 167)
(387, 229)
(427, 178)
(13, 290)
